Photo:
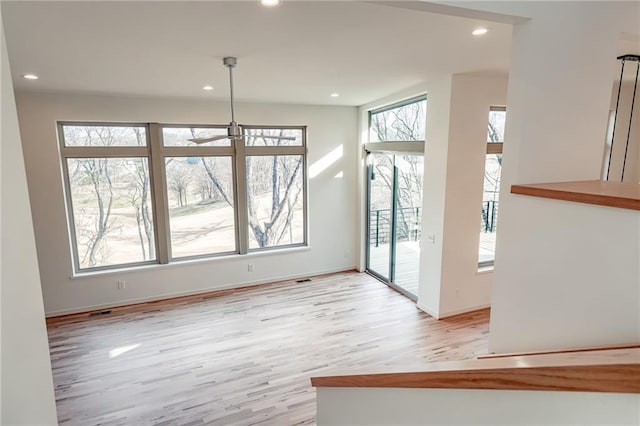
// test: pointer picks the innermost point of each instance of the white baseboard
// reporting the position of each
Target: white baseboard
(426, 310)
(464, 311)
(448, 314)
(90, 308)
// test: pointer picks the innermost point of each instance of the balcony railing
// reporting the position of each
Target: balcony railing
(408, 225)
(409, 221)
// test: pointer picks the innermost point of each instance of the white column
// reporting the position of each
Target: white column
(434, 193)
(454, 175)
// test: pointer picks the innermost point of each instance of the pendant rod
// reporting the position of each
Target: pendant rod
(233, 117)
(230, 62)
(615, 118)
(633, 101)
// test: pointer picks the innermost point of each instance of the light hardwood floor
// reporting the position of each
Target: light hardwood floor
(243, 357)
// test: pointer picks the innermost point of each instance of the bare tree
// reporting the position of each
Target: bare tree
(277, 176)
(98, 172)
(103, 188)
(284, 195)
(140, 199)
(178, 180)
(205, 187)
(405, 123)
(210, 168)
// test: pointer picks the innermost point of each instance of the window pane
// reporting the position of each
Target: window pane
(104, 135)
(380, 203)
(402, 123)
(490, 199)
(178, 136)
(408, 221)
(275, 195)
(495, 131)
(112, 213)
(200, 197)
(273, 137)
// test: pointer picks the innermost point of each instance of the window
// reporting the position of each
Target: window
(275, 187)
(399, 122)
(144, 193)
(491, 188)
(201, 208)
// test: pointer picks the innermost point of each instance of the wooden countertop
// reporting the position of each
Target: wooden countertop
(602, 193)
(615, 370)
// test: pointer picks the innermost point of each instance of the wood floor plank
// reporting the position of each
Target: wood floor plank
(243, 357)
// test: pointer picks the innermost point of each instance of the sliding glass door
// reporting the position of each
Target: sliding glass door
(394, 219)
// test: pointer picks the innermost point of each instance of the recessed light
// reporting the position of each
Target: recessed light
(207, 87)
(270, 3)
(30, 76)
(480, 31)
(335, 95)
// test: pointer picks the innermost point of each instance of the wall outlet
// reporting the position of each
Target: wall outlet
(250, 267)
(122, 285)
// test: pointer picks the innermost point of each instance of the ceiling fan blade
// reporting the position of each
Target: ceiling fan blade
(286, 138)
(209, 139)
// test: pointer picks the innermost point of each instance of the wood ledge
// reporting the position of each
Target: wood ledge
(616, 371)
(559, 351)
(602, 193)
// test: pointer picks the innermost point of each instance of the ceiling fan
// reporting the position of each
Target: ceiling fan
(234, 131)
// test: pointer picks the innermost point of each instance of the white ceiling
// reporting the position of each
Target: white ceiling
(299, 52)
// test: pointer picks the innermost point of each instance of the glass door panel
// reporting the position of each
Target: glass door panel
(380, 206)
(395, 216)
(410, 170)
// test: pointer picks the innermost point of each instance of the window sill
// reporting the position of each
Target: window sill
(187, 262)
(485, 269)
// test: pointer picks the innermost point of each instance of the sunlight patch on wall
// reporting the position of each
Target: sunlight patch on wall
(325, 162)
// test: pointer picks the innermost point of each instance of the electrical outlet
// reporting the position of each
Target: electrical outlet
(122, 285)
(250, 267)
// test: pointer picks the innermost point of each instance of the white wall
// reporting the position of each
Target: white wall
(398, 407)
(332, 200)
(565, 274)
(27, 385)
(454, 175)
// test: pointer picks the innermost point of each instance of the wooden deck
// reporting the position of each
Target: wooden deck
(244, 356)
(407, 264)
(408, 260)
